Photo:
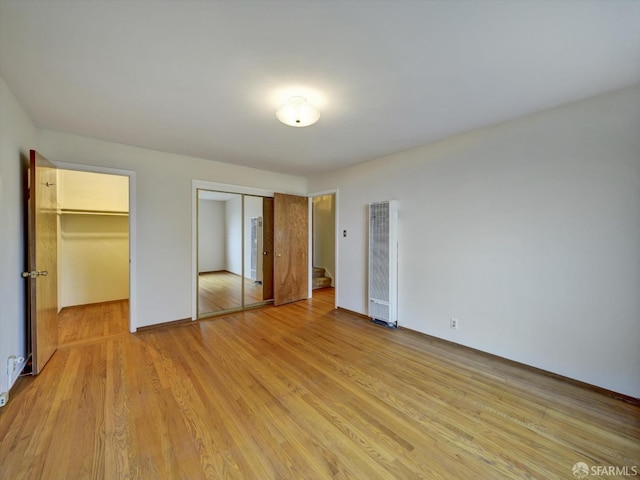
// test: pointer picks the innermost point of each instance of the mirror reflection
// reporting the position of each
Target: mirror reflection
(258, 255)
(219, 251)
(235, 251)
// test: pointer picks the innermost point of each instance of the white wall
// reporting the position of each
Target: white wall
(324, 234)
(233, 231)
(17, 137)
(211, 236)
(528, 232)
(163, 203)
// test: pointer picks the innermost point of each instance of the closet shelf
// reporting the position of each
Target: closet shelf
(68, 211)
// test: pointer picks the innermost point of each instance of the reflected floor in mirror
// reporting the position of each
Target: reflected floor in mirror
(222, 291)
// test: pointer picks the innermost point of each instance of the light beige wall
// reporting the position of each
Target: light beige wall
(92, 191)
(527, 232)
(163, 212)
(94, 261)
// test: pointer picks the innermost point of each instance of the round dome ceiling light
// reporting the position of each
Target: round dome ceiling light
(298, 112)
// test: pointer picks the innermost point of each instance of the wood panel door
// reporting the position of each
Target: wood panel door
(267, 248)
(42, 237)
(291, 245)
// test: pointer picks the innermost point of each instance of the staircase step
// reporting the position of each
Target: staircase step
(318, 272)
(321, 282)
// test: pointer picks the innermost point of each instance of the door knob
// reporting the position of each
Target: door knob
(265, 253)
(278, 254)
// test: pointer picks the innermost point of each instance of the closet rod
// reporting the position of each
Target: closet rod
(66, 211)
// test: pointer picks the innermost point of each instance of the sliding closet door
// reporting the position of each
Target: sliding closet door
(220, 273)
(258, 250)
(291, 245)
(250, 250)
(267, 249)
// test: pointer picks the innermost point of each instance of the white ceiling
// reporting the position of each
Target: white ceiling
(204, 78)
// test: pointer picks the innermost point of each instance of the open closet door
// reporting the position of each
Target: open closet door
(42, 237)
(291, 246)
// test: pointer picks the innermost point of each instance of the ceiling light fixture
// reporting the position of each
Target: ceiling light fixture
(298, 112)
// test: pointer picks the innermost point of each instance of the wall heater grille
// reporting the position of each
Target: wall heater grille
(383, 262)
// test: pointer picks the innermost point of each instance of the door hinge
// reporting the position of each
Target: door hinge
(34, 274)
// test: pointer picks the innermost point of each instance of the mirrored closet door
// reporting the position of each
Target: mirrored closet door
(235, 253)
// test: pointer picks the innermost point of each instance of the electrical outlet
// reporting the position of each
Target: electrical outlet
(453, 323)
(4, 398)
(11, 365)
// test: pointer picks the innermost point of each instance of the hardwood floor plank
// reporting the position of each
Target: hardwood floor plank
(82, 323)
(116, 464)
(302, 391)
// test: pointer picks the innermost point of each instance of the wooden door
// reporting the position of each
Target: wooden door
(42, 237)
(267, 248)
(291, 245)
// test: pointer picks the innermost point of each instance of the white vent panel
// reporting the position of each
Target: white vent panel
(383, 261)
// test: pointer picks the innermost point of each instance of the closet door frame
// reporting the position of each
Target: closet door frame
(133, 283)
(222, 187)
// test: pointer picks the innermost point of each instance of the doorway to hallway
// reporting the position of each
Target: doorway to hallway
(324, 244)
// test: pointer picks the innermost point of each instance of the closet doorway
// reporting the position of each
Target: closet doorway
(96, 252)
(93, 255)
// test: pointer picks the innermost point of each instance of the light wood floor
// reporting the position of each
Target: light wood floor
(302, 392)
(89, 322)
(223, 291)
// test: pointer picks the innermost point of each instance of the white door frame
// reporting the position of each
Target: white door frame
(133, 300)
(336, 278)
